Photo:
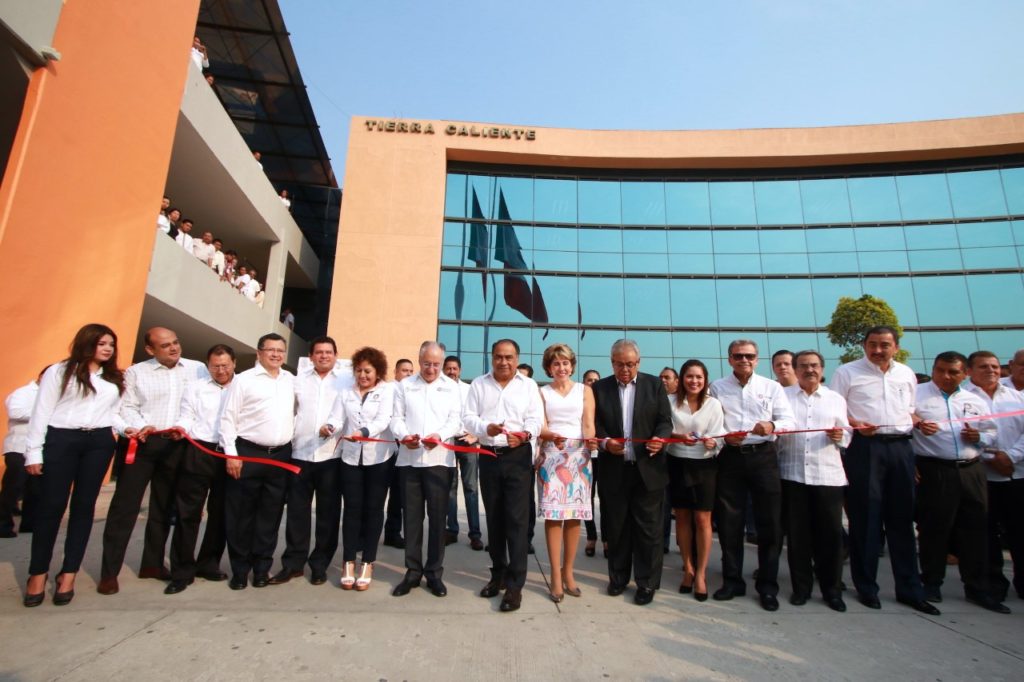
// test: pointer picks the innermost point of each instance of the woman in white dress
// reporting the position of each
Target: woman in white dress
(564, 465)
(692, 471)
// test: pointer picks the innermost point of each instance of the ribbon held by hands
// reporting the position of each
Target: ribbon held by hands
(466, 449)
(133, 446)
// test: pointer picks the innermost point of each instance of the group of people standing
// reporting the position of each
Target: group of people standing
(341, 435)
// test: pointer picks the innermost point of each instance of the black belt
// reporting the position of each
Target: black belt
(269, 449)
(82, 429)
(752, 448)
(953, 463)
(503, 449)
(887, 437)
(211, 445)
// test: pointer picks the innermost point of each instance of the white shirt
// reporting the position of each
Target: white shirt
(163, 223)
(289, 321)
(708, 420)
(934, 405)
(153, 392)
(72, 410)
(421, 409)
(1009, 430)
(627, 396)
(19, 406)
(518, 406)
(184, 241)
(315, 396)
(200, 59)
(885, 399)
(202, 408)
(370, 415)
(812, 458)
(241, 281)
(251, 288)
(259, 408)
(1008, 381)
(218, 261)
(760, 400)
(203, 251)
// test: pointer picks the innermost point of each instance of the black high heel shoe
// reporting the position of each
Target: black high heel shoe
(591, 548)
(31, 600)
(62, 598)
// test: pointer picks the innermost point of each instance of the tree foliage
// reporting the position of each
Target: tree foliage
(852, 319)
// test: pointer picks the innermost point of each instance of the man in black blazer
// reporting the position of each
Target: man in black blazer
(631, 405)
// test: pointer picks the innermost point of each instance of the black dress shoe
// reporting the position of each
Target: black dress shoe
(212, 576)
(176, 586)
(283, 576)
(769, 602)
(491, 589)
(260, 580)
(726, 592)
(869, 601)
(643, 596)
(403, 588)
(922, 606)
(318, 577)
(614, 589)
(987, 602)
(476, 545)
(836, 604)
(450, 538)
(933, 594)
(797, 599)
(437, 587)
(512, 600)
(238, 582)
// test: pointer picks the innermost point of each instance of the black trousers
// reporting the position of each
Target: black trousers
(156, 467)
(201, 477)
(74, 464)
(363, 488)
(253, 505)
(881, 493)
(952, 511)
(425, 489)
(18, 485)
(1005, 523)
(632, 519)
(753, 472)
(505, 483)
(321, 480)
(393, 519)
(813, 519)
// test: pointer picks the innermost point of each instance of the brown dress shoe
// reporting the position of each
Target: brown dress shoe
(108, 586)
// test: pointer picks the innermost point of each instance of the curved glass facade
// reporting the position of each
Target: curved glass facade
(685, 263)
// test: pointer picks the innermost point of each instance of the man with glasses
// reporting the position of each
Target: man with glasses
(755, 408)
(258, 421)
(631, 416)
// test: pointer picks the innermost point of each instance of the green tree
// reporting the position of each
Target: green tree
(852, 319)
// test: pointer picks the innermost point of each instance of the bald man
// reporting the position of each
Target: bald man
(152, 399)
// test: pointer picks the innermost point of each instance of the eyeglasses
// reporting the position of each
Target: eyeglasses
(744, 356)
(624, 365)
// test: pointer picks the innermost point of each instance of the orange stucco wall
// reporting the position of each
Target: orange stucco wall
(385, 290)
(79, 198)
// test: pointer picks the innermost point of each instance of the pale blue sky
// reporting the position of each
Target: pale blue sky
(657, 65)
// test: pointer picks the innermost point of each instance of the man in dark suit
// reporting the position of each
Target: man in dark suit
(631, 405)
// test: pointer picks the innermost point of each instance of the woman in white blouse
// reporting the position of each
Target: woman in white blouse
(366, 468)
(692, 470)
(70, 444)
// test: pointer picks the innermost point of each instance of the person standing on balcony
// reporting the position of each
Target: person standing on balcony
(204, 249)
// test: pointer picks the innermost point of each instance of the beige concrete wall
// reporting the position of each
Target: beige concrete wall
(389, 241)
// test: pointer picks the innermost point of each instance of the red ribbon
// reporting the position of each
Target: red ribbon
(467, 449)
(133, 446)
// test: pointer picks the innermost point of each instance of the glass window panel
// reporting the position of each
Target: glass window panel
(735, 241)
(898, 292)
(990, 257)
(482, 188)
(933, 343)
(1002, 342)
(598, 343)
(883, 261)
(521, 335)
(840, 262)
(911, 342)
(455, 195)
(794, 342)
(554, 200)
(1018, 231)
(655, 349)
(645, 262)
(555, 239)
(830, 352)
(784, 263)
(559, 261)
(879, 238)
(873, 199)
(825, 201)
(936, 259)
(695, 264)
(644, 241)
(924, 197)
(601, 241)
(560, 299)
(984, 234)
(454, 256)
(462, 338)
(686, 345)
(977, 193)
(826, 294)
(647, 302)
(687, 203)
(643, 203)
(1013, 187)
(601, 300)
(474, 365)
(601, 262)
(461, 296)
(600, 202)
(829, 239)
(788, 303)
(942, 301)
(694, 303)
(699, 241)
(497, 308)
(930, 237)
(778, 202)
(600, 363)
(782, 241)
(518, 194)
(740, 303)
(997, 299)
(544, 337)
(504, 241)
(732, 203)
(729, 264)
(455, 234)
